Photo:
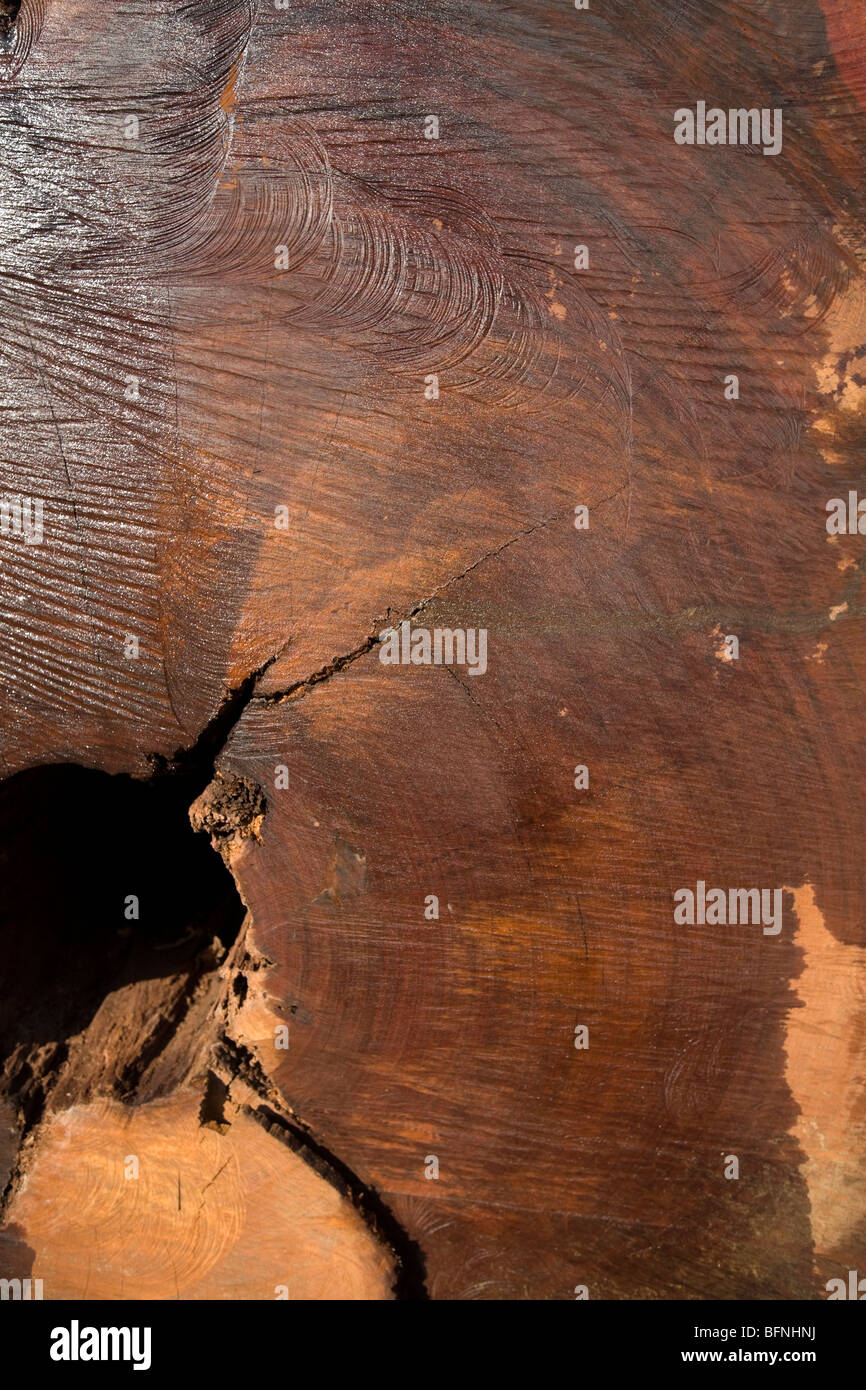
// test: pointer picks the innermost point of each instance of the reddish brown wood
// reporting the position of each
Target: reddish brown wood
(261, 388)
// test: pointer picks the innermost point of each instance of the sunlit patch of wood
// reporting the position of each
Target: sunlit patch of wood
(826, 1051)
(226, 1213)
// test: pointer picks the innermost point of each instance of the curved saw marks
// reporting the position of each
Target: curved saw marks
(216, 1212)
(826, 1048)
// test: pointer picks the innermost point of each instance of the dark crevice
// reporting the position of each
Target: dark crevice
(338, 664)
(213, 1104)
(107, 891)
(115, 914)
(193, 768)
(410, 1273)
(8, 15)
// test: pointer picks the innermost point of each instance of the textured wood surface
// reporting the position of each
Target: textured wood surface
(282, 490)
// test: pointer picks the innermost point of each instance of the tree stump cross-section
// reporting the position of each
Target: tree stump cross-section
(432, 658)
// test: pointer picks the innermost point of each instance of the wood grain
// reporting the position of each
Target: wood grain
(297, 396)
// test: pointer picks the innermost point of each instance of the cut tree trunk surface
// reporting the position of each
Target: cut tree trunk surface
(328, 973)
